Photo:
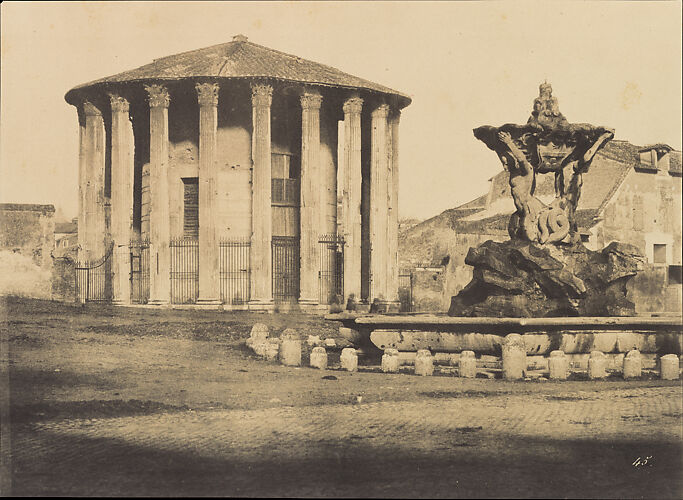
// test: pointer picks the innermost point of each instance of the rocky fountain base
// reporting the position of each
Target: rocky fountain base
(522, 279)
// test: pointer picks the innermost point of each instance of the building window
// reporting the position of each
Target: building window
(659, 253)
(675, 275)
(285, 180)
(191, 207)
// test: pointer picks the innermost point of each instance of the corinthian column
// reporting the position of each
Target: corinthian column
(159, 226)
(392, 241)
(261, 217)
(82, 184)
(207, 96)
(352, 196)
(379, 202)
(121, 195)
(313, 204)
(93, 162)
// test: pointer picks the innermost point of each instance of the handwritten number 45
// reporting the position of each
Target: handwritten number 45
(641, 462)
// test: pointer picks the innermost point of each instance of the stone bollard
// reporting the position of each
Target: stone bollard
(669, 367)
(632, 364)
(390, 361)
(319, 358)
(272, 350)
(467, 366)
(349, 359)
(259, 333)
(514, 356)
(559, 369)
(596, 365)
(290, 348)
(424, 363)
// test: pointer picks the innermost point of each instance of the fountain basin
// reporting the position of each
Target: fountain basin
(484, 335)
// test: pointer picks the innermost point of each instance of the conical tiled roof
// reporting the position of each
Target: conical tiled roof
(241, 59)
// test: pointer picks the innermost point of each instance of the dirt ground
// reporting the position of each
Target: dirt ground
(147, 402)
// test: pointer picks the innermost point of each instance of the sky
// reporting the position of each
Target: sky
(465, 64)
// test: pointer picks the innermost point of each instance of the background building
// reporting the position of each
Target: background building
(630, 194)
(241, 175)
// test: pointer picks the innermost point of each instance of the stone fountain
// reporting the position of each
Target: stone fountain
(543, 283)
(544, 269)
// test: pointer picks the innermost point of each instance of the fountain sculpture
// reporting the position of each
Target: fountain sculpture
(544, 270)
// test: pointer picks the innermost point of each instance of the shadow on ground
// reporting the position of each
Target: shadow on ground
(469, 464)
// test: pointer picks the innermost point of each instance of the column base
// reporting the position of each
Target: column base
(209, 303)
(159, 302)
(261, 305)
(308, 302)
(121, 302)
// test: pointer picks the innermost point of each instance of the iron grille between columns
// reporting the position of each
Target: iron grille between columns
(235, 273)
(93, 279)
(139, 271)
(184, 270)
(285, 268)
(331, 273)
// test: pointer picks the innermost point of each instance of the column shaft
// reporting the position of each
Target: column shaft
(261, 216)
(82, 183)
(159, 225)
(122, 144)
(313, 206)
(207, 95)
(94, 183)
(379, 197)
(352, 197)
(392, 243)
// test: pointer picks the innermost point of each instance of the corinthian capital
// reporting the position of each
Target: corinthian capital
(207, 94)
(157, 96)
(381, 111)
(353, 105)
(118, 104)
(261, 94)
(90, 109)
(310, 100)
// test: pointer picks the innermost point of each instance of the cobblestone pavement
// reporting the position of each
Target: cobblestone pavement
(440, 446)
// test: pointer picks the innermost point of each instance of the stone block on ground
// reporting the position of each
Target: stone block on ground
(319, 358)
(260, 348)
(390, 361)
(514, 357)
(597, 364)
(632, 365)
(558, 366)
(424, 363)
(259, 333)
(290, 352)
(669, 368)
(272, 351)
(313, 340)
(290, 333)
(467, 366)
(349, 359)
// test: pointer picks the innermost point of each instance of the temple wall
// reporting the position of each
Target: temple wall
(233, 154)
